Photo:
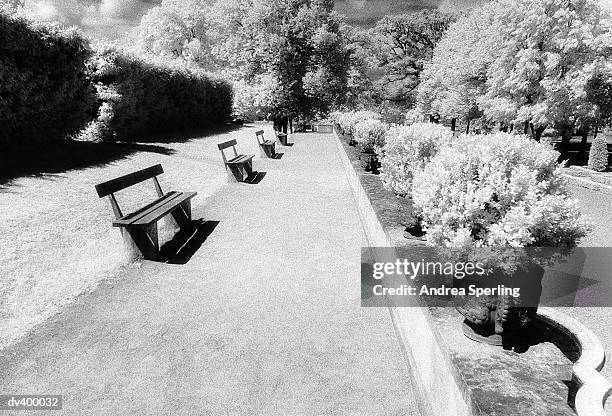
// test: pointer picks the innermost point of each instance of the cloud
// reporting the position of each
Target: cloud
(125, 9)
(112, 18)
(98, 18)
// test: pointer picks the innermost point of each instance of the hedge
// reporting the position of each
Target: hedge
(44, 91)
(140, 98)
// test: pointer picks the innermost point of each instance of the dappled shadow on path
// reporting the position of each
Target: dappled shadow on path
(53, 158)
(187, 242)
(186, 135)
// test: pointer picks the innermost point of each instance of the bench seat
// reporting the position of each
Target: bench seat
(155, 210)
(240, 159)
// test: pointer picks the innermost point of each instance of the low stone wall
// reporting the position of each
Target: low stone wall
(430, 366)
(454, 376)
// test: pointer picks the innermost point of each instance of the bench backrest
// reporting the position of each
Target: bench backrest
(108, 188)
(260, 136)
(231, 143)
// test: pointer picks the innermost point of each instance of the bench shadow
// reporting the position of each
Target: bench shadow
(277, 156)
(49, 159)
(187, 242)
(255, 178)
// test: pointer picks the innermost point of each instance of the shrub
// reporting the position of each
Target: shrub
(407, 149)
(143, 97)
(44, 91)
(370, 134)
(348, 120)
(414, 116)
(496, 190)
(598, 155)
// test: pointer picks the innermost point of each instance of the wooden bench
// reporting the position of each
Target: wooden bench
(281, 137)
(267, 147)
(323, 128)
(304, 126)
(139, 228)
(239, 167)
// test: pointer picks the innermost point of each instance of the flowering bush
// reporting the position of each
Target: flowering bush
(598, 156)
(407, 149)
(370, 134)
(414, 116)
(496, 190)
(348, 120)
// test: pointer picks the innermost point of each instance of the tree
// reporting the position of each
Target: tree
(455, 78)
(359, 89)
(292, 50)
(401, 46)
(299, 42)
(175, 30)
(525, 63)
(544, 51)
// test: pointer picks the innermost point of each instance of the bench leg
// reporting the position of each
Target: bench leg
(181, 216)
(234, 173)
(248, 168)
(141, 242)
(267, 150)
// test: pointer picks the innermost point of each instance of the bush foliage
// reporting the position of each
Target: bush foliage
(347, 120)
(370, 134)
(598, 156)
(149, 97)
(496, 190)
(407, 149)
(44, 91)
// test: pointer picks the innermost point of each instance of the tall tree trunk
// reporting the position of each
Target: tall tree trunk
(526, 127)
(467, 128)
(453, 124)
(537, 132)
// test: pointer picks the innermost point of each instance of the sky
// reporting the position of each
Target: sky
(111, 18)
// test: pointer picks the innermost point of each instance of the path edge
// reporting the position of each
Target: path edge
(430, 369)
(428, 363)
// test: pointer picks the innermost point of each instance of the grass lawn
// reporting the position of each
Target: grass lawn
(56, 235)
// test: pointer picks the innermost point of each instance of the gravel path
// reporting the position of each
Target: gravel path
(264, 319)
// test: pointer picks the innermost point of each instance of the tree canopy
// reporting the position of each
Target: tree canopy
(401, 46)
(523, 62)
(293, 49)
